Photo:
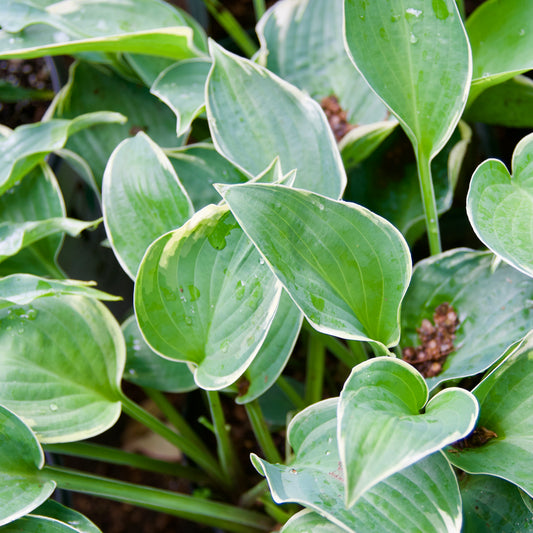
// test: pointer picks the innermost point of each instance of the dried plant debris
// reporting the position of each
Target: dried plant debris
(436, 342)
(477, 438)
(337, 117)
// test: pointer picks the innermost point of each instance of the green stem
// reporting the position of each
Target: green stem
(226, 452)
(316, 357)
(259, 8)
(261, 432)
(334, 345)
(96, 452)
(204, 460)
(252, 495)
(429, 202)
(232, 26)
(358, 350)
(291, 393)
(198, 510)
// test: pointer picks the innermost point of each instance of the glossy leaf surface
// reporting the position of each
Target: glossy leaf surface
(203, 295)
(307, 520)
(21, 457)
(500, 206)
(381, 425)
(416, 57)
(346, 268)
(55, 510)
(505, 401)
(427, 491)
(485, 296)
(38, 524)
(255, 116)
(62, 360)
(142, 199)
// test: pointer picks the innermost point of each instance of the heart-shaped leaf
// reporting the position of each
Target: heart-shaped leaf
(506, 420)
(182, 88)
(203, 295)
(62, 361)
(381, 427)
(346, 268)
(146, 368)
(485, 297)
(53, 509)
(302, 44)
(306, 521)
(21, 457)
(423, 497)
(142, 199)
(500, 207)
(245, 105)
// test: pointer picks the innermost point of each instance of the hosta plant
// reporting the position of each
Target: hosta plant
(268, 204)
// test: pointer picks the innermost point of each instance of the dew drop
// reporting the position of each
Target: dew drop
(328, 452)
(132, 372)
(53, 407)
(32, 314)
(395, 18)
(412, 11)
(413, 38)
(188, 321)
(261, 261)
(522, 32)
(224, 346)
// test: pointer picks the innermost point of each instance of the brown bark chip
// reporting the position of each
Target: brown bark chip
(337, 117)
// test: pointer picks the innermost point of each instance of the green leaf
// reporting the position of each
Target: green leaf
(501, 39)
(301, 43)
(425, 76)
(62, 360)
(14, 93)
(500, 206)
(147, 67)
(490, 503)
(95, 88)
(28, 145)
(142, 199)
(346, 268)
(55, 510)
(505, 401)
(21, 457)
(51, 27)
(203, 295)
(182, 88)
(508, 104)
(274, 353)
(146, 368)
(38, 524)
(485, 296)
(254, 116)
(14, 236)
(199, 166)
(306, 521)
(423, 497)
(382, 429)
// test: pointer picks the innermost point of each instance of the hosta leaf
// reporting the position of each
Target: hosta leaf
(36, 197)
(53, 27)
(501, 37)
(416, 57)
(307, 520)
(199, 166)
(94, 88)
(274, 353)
(423, 497)
(303, 45)
(382, 429)
(484, 296)
(203, 295)
(38, 524)
(506, 409)
(142, 199)
(62, 360)
(491, 502)
(21, 457)
(146, 368)
(182, 88)
(29, 144)
(55, 510)
(255, 116)
(346, 268)
(500, 206)
(15, 236)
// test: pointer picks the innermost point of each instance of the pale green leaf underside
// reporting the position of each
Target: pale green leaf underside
(416, 57)
(346, 268)
(422, 497)
(21, 457)
(500, 207)
(204, 296)
(306, 521)
(485, 299)
(62, 360)
(303, 44)
(142, 199)
(506, 409)
(147, 369)
(255, 116)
